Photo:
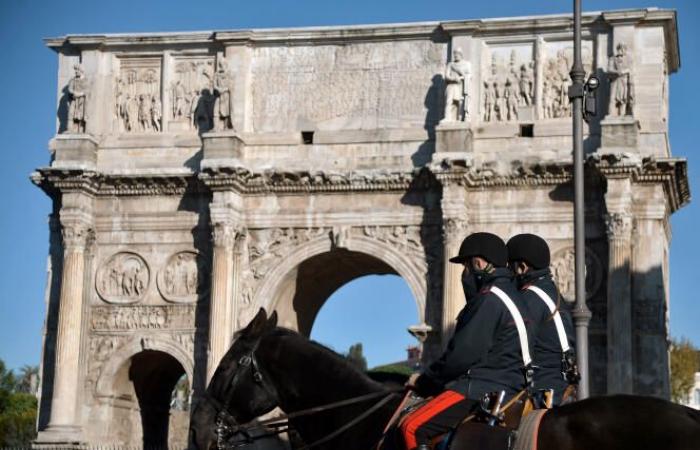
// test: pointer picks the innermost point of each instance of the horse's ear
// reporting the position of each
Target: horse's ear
(272, 320)
(257, 325)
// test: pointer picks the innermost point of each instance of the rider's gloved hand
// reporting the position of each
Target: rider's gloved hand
(423, 385)
(411, 382)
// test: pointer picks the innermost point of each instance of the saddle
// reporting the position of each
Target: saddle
(493, 426)
(514, 427)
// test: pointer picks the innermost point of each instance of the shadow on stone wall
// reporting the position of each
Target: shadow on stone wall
(433, 102)
(197, 200)
(54, 296)
(62, 110)
(425, 191)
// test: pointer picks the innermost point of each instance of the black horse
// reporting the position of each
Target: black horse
(269, 366)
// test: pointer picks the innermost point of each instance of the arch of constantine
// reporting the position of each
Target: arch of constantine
(196, 177)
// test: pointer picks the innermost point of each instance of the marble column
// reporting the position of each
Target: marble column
(220, 331)
(64, 423)
(619, 319)
(452, 295)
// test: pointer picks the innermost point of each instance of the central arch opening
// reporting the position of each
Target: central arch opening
(375, 312)
(365, 284)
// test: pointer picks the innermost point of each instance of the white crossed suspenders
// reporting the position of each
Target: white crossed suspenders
(519, 324)
(555, 315)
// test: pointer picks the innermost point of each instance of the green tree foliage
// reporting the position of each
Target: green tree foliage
(684, 364)
(400, 369)
(28, 379)
(356, 357)
(17, 410)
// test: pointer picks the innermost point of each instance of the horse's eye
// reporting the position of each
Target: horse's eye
(244, 361)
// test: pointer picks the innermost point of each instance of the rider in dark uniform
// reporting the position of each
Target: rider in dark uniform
(554, 337)
(484, 354)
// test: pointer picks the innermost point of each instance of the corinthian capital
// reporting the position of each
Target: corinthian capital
(454, 229)
(618, 225)
(76, 236)
(224, 235)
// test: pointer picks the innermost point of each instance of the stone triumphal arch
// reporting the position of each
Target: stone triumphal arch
(197, 177)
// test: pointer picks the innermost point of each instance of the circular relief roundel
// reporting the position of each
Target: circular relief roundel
(184, 277)
(563, 272)
(123, 278)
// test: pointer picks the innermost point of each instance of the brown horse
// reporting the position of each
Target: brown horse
(267, 367)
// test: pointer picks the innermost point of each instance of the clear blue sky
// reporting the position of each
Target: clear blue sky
(28, 81)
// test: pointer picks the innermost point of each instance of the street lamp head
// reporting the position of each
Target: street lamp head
(592, 83)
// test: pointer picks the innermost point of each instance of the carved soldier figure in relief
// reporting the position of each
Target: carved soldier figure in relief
(621, 83)
(489, 102)
(131, 117)
(192, 102)
(456, 88)
(223, 106)
(120, 103)
(548, 97)
(77, 92)
(499, 101)
(526, 85)
(511, 100)
(156, 113)
(144, 114)
(179, 101)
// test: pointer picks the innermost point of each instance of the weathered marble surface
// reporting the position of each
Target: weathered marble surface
(216, 173)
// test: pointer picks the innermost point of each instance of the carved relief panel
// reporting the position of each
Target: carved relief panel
(183, 278)
(138, 102)
(557, 58)
(113, 318)
(123, 278)
(358, 85)
(101, 347)
(265, 246)
(508, 83)
(191, 93)
(563, 272)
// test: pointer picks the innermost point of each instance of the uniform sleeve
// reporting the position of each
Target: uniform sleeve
(469, 344)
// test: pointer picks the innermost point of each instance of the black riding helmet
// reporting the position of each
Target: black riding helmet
(529, 248)
(486, 245)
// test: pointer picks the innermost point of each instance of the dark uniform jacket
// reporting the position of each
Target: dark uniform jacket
(547, 356)
(484, 354)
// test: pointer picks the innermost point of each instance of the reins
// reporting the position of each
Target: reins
(281, 423)
(317, 409)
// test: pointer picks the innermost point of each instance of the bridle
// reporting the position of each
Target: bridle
(227, 429)
(226, 425)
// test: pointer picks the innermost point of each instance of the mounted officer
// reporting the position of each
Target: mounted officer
(487, 352)
(554, 357)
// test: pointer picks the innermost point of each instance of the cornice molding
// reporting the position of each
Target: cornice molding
(670, 172)
(54, 181)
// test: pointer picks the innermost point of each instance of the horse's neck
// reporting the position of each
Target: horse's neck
(315, 377)
(307, 376)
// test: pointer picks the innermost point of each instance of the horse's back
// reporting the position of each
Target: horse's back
(620, 422)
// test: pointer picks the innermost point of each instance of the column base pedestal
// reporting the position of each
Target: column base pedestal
(63, 435)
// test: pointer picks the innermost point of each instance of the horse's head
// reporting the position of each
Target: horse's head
(238, 391)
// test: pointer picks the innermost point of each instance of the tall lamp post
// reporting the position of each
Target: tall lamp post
(577, 92)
